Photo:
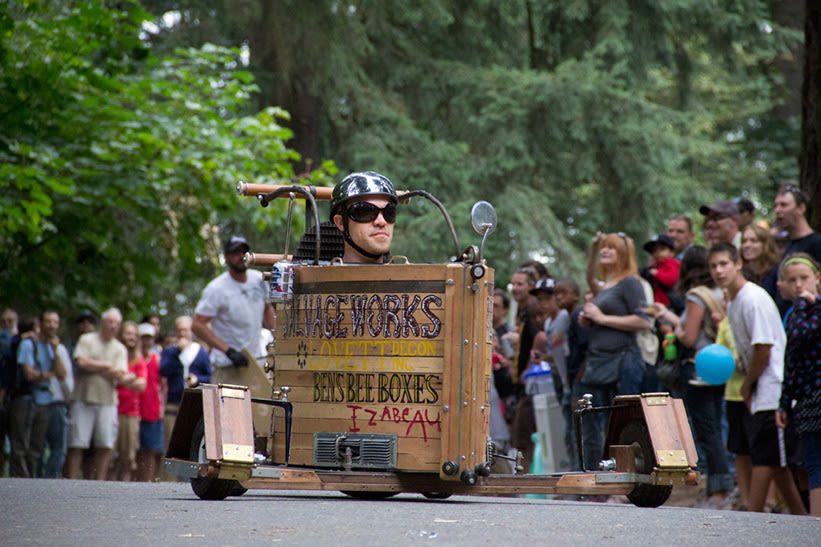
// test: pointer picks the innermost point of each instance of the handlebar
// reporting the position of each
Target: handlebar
(268, 192)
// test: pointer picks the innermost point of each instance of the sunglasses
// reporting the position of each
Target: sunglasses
(363, 211)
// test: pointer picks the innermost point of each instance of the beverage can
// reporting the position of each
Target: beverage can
(282, 282)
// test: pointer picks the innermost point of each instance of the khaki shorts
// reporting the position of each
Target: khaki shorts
(128, 440)
(87, 422)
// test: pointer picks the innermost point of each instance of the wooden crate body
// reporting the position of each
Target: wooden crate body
(391, 349)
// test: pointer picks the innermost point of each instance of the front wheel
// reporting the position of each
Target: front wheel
(208, 488)
(643, 495)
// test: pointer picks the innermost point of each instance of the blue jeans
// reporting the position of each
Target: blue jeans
(811, 445)
(631, 378)
(704, 405)
(56, 440)
(632, 373)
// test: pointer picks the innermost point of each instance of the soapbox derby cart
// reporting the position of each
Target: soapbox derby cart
(377, 382)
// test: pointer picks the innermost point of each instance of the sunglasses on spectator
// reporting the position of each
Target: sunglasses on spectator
(363, 211)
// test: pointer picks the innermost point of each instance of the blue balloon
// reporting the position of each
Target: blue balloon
(715, 364)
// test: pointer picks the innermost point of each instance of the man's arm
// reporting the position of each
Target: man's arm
(201, 328)
(592, 282)
(26, 356)
(59, 367)
(269, 318)
(88, 364)
(758, 364)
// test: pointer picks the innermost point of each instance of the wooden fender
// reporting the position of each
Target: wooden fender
(666, 422)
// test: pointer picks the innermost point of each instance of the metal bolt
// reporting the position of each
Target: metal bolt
(445, 408)
(467, 341)
(466, 403)
(450, 281)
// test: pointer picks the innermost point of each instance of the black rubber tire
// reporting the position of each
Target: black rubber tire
(643, 495)
(437, 495)
(369, 495)
(208, 488)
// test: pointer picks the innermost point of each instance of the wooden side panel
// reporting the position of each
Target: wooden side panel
(467, 370)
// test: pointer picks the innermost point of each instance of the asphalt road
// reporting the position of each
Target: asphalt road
(64, 512)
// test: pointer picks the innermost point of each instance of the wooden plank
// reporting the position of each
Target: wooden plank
(420, 431)
(362, 388)
(320, 359)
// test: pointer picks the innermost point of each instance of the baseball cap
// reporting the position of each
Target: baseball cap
(722, 207)
(234, 243)
(146, 329)
(544, 285)
(659, 239)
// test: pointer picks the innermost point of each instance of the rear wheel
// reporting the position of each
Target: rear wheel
(643, 495)
(437, 495)
(208, 488)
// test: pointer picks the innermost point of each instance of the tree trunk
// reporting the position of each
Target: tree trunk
(810, 158)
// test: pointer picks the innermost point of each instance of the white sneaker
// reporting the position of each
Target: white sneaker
(697, 381)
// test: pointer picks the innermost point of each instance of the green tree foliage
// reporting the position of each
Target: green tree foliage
(118, 166)
(571, 116)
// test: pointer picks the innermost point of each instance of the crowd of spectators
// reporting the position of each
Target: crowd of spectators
(91, 407)
(103, 405)
(751, 286)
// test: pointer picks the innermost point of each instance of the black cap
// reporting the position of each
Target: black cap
(544, 285)
(744, 205)
(234, 243)
(86, 315)
(659, 239)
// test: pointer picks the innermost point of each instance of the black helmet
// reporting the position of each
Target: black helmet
(367, 183)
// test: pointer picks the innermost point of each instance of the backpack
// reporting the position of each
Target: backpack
(11, 373)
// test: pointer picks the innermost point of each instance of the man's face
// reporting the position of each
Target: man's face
(49, 325)
(110, 325)
(682, 236)
(520, 287)
(547, 303)
(721, 227)
(235, 260)
(373, 236)
(183, 328)
(8, 321)
(499, 310)
(85, 326)
(566, 296)
(723, 270)
(787, 213)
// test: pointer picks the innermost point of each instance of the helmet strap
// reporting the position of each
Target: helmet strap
(347, 235)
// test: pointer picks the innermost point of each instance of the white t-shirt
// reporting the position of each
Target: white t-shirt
(62, 390)
(754, 319)
(236, 309)
(557, 348)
